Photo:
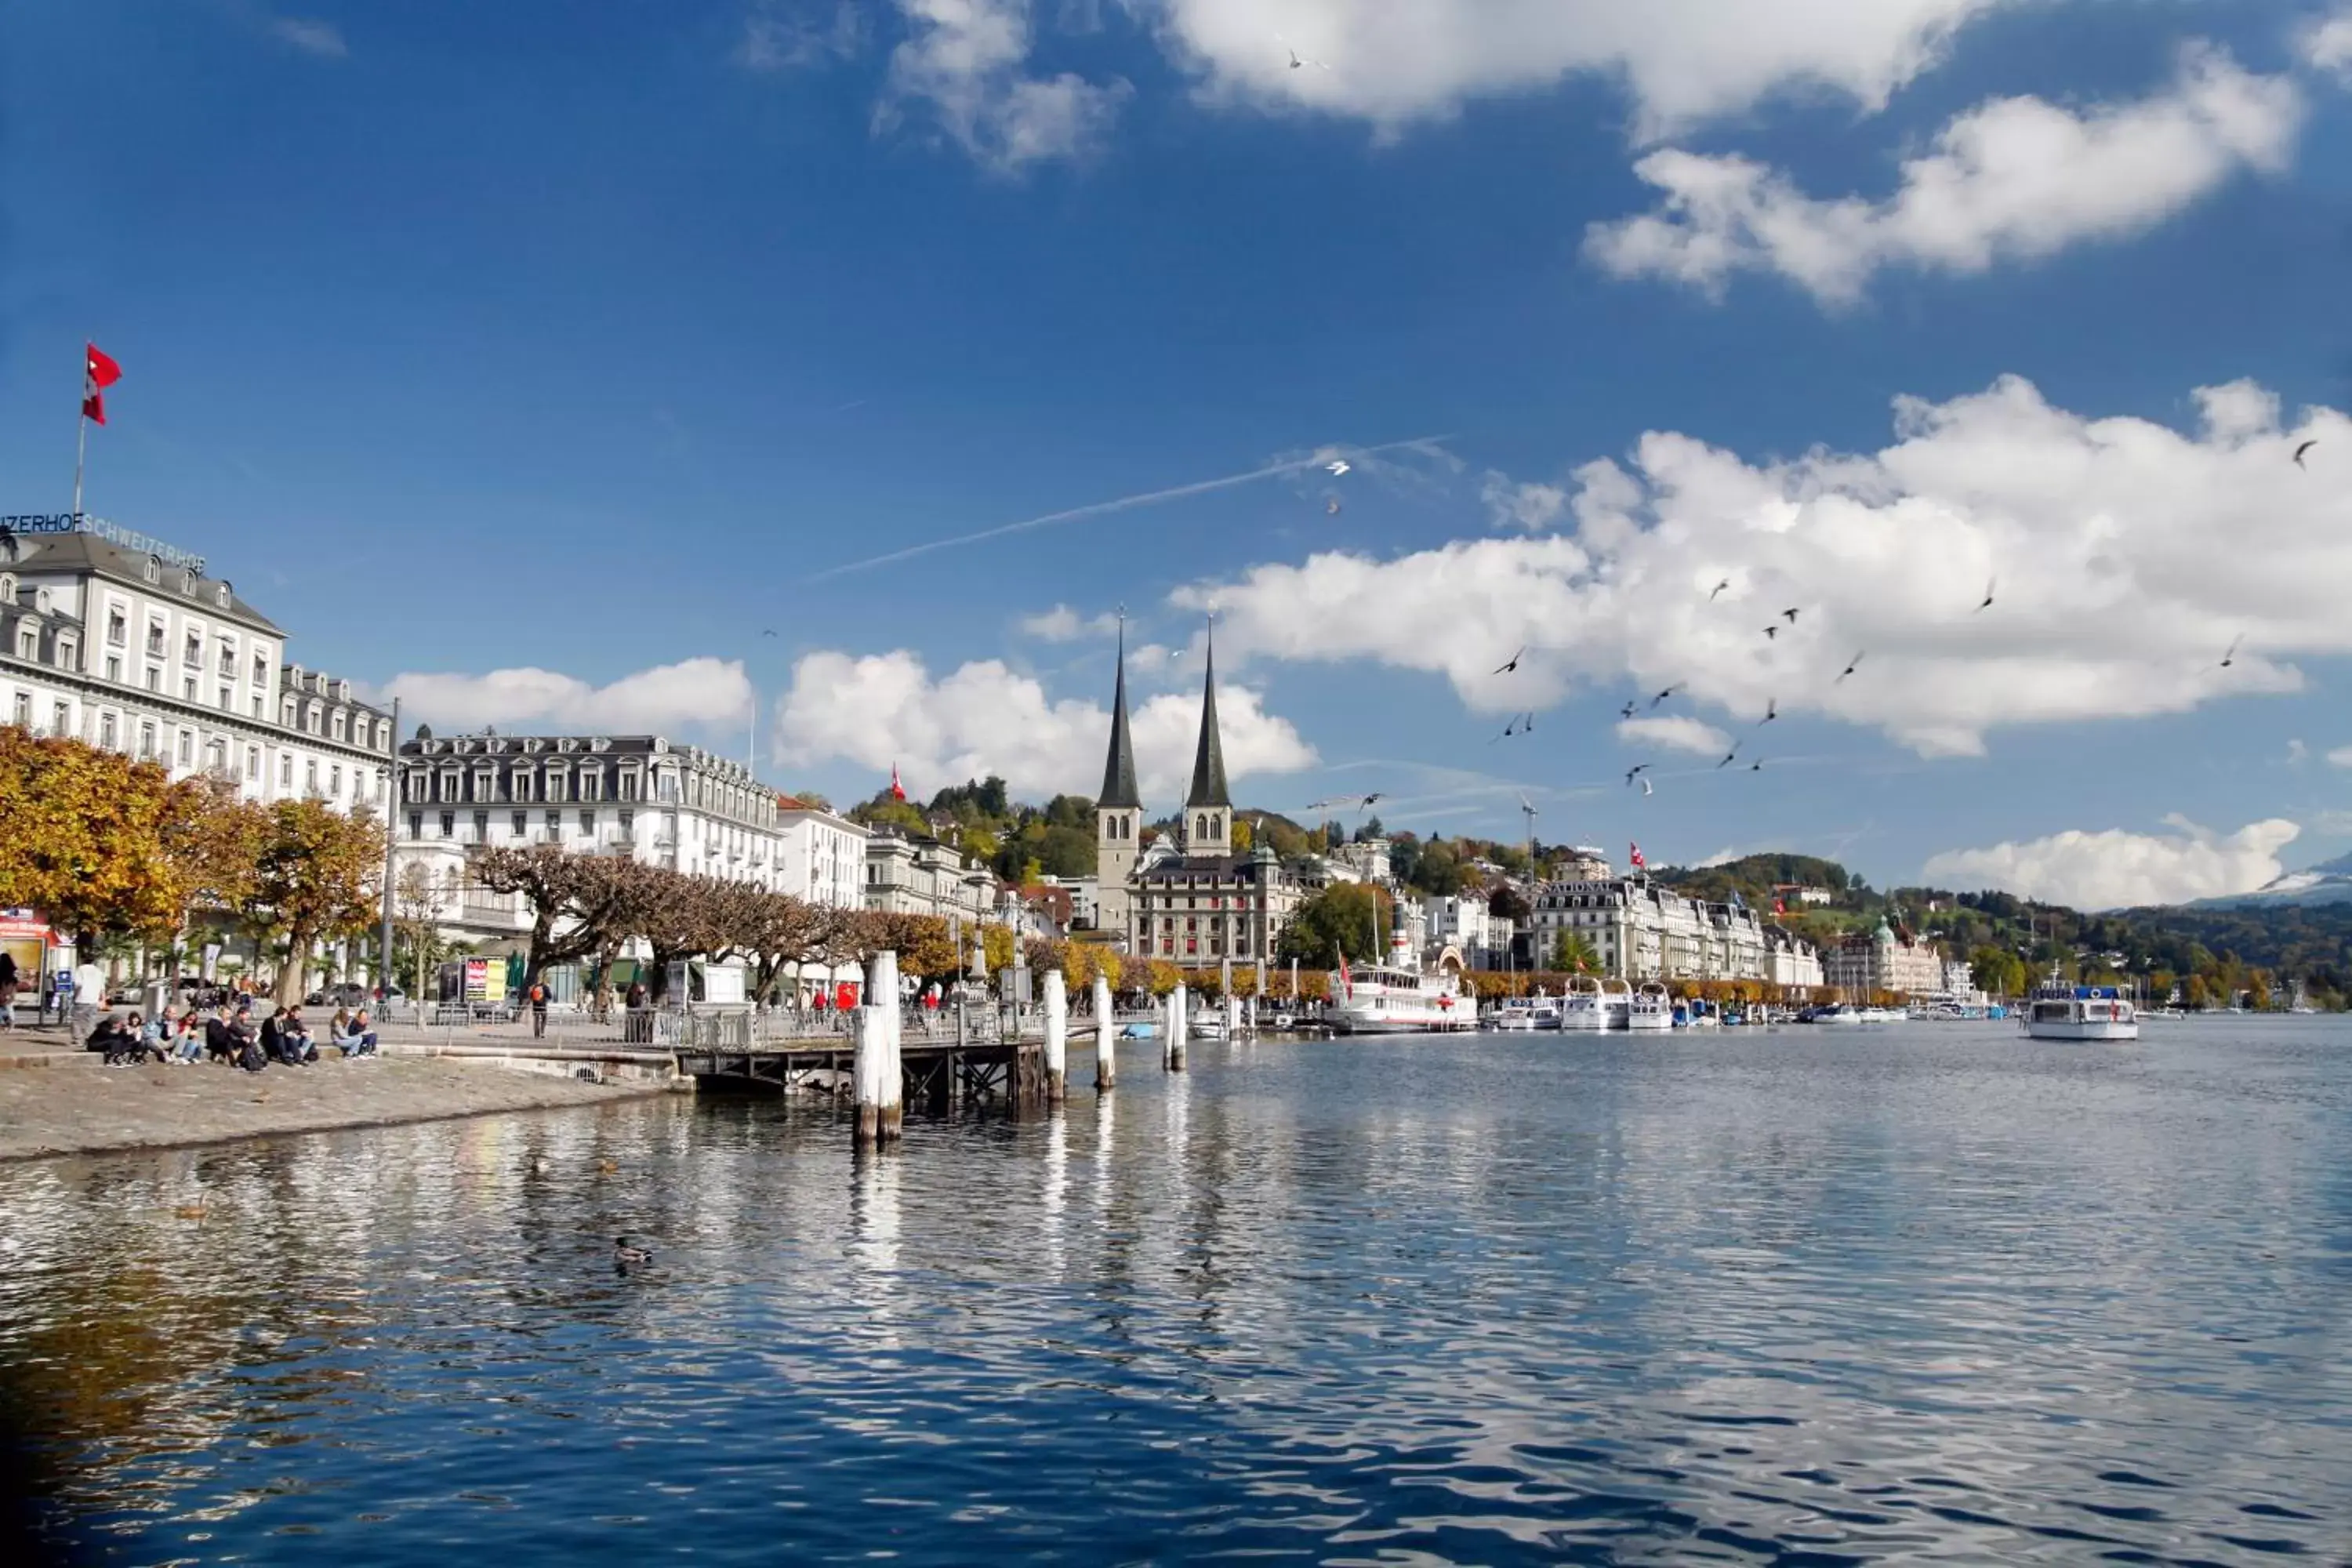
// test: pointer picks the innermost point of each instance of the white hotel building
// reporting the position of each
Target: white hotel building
(1640, 930)
(123, 642)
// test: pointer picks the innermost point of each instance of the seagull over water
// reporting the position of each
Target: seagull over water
(1662, 695)
(1635, 771)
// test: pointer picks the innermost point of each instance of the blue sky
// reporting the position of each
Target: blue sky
(591, 341)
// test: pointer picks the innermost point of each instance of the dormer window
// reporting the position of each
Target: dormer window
(187, 581)
(154, 572)
(8, 587)
(221, 595)
(40, 601)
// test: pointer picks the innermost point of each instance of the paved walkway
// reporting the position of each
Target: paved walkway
(93, 1106)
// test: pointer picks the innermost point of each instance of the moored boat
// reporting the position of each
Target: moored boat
(1581, 1009)
(1650, 1008)
(1399, 998)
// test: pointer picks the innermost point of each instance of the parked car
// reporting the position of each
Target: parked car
(350, 994)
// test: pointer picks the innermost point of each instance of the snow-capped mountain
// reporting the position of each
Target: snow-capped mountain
(2330, 883)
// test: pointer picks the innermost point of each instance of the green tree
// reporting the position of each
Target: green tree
(1341, 918)
(1573, 953)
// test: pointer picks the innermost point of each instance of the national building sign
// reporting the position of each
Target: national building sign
(114, 533)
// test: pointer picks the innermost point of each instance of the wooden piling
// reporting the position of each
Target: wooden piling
(1057, 1035)
(866, 1073)
(1105, 1036)
(1172, 1054)
(891, 1102)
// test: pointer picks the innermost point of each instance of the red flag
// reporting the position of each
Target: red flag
(1347, 984)
(898, 790)
(98, 371)
(1638, 864)
(1780, 906)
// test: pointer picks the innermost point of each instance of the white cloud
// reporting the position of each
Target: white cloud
(1683, 61)
(2012, 178)
(1674, 732)
(2116, 869)
(2340, 757)
(790, 35)
(2129, 557)
(985, 718)
(967, 59)
(323, 39)
(1063, 624)
(694, 691)
(2296, 752)
(1525, 505)
(2327, 44)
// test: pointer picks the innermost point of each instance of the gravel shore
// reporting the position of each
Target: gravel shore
(83, 1108)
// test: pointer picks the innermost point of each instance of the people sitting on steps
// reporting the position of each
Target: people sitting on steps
(351, 1032)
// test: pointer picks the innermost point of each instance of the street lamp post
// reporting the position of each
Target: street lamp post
(390, 811)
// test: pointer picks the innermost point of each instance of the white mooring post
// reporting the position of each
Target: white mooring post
(1105, 1036)
(873, 1048)
(882, 984)
(1057, 1035)
(1172, 1056)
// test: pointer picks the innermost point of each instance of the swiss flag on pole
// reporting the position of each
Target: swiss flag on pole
(898, 790)
(1346, 981)
(1638, 864)
(98, 371)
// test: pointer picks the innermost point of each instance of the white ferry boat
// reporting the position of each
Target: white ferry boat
(2061, 1012)
(1397, 998)
(1581, 1009)
(1650, 1008)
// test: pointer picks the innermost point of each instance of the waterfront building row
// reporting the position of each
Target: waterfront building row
(1639, 930)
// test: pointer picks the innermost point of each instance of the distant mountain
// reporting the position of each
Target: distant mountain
(2329, 883)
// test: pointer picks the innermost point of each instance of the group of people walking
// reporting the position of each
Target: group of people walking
(228, 1033)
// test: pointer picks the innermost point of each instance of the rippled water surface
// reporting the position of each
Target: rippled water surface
(1921, 1294)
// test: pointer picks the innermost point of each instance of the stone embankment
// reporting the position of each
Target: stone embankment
(70, 1103)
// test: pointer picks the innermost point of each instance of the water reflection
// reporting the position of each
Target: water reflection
(1781, 1298)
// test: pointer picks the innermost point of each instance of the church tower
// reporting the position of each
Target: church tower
(1118, 814)
(1208, 809)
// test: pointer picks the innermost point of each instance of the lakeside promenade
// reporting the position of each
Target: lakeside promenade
(56, 1099)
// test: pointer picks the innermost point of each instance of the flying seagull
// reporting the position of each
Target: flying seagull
(766, 633)
(1790, 615)
(1513, 664)
(2230, 658)
(1851, 665)
(1337, 466)
(1729, 757)
(1295, 61)
(2299, 451)
(1757, 766)
(1626, 711)
(1990, 584)
(1331, 507)
(1635, 771)
(1662, 695)
(1719, 587)
(1646, 789)
(1772, 710)
(1771, 632)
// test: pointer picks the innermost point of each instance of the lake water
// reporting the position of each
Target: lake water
(1925, 1293)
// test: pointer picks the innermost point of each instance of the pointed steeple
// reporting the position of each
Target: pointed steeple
(1119, 768)
(1208, 759)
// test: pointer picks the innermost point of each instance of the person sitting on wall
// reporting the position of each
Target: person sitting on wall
(294, 1043)
(194, 1037)
(351, 1032)
(221, 1038)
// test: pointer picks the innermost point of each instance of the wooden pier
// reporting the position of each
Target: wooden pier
(936, 1075)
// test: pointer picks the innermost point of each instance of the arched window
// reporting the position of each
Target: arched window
(8, 587)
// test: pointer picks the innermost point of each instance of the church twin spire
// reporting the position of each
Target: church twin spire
(1208, 792)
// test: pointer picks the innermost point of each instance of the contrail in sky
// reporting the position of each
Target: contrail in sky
(1101, 508)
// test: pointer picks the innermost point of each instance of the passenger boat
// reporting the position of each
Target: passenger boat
(2061, 1012)
(1536, 1012)
(1650, 1008)
(1581, 1009)
(1397, 998)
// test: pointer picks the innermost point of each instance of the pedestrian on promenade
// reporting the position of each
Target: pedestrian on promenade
(88, 995)
(7, 991)
(537, 998)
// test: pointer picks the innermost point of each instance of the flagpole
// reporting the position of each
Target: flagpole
(81, 451)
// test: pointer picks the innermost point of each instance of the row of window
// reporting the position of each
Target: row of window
(149, 741)
(490, 787)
